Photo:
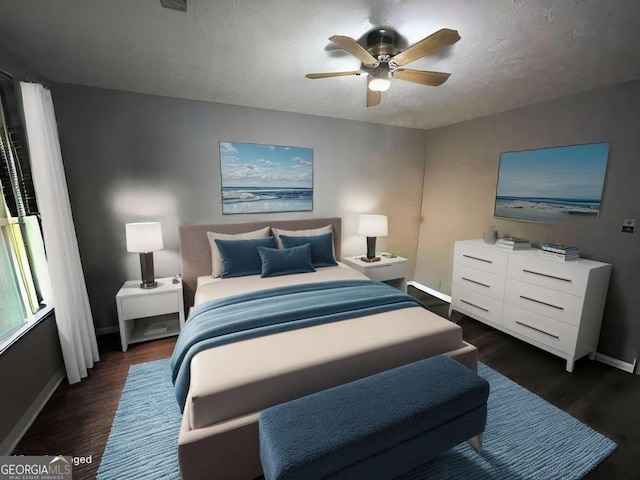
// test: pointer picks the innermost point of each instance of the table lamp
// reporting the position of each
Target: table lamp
(372, 226)
(145, 238)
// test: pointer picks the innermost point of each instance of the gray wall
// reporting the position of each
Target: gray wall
(26, 368)
(133, 157)
(460, 184)
(36, 356)
(13, 65)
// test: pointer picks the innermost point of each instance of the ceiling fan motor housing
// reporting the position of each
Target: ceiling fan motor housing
(382, 43)
(179, 5)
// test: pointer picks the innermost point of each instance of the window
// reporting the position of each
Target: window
(12, 311)
(23, 272)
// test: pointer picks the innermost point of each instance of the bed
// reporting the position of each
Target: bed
(230, 383)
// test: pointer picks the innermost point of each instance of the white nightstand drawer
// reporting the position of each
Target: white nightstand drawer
(551, 303)
(479, 281)
(140, 306)
(549, 274)
(545, 330)
(478, 305)
(488, 259)
(384, 272)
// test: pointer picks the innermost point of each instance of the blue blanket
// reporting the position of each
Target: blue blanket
(265, 312)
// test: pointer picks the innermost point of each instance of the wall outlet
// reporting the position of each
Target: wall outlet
(628, 225)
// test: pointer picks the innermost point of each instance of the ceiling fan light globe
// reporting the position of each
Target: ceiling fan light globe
(379, 84)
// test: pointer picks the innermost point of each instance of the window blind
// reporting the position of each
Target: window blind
(15, 168)
(20, 292)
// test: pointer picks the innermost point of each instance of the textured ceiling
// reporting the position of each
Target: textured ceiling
(256, 52)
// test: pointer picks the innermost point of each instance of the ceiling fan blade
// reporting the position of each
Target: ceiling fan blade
(433, 79)
(426, 46)
(355, 49)
(373, 98)
(332, 74)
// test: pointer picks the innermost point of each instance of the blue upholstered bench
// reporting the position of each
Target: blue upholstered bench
(377, 427)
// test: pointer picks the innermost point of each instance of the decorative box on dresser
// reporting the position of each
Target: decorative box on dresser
(556, 306)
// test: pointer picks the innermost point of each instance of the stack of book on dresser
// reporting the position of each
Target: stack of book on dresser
(513, 243)
(557, 252)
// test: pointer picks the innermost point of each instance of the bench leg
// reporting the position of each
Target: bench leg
(476, 443)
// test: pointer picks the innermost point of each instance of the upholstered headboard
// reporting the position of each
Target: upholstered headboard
(195, 252)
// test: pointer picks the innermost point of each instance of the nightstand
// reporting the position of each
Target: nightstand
(149, 314)
(389, 270)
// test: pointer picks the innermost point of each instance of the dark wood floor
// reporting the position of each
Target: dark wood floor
(78, 418)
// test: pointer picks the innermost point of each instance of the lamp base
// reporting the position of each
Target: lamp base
(371, 251)
(370, 260)
(146, 266)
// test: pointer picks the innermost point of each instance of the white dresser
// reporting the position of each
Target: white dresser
(556, 306)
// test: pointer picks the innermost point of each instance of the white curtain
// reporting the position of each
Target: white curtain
(70, 300)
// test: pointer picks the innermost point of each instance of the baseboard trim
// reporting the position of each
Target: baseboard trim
(107, 330)
(614, 362)
(27, 419)
(430, 291)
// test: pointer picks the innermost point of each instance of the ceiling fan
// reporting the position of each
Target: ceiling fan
(382, 60)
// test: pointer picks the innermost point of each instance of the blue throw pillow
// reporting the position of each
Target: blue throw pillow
(286, 261)
(321, 248)
(241, 257)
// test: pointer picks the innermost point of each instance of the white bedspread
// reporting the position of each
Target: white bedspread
(246, 376)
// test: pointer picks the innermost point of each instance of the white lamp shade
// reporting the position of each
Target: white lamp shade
(144, 237)
(373, 225)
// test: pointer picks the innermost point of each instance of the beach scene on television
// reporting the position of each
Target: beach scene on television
(259, 178)
(548, 185)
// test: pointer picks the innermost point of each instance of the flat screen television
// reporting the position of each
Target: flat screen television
(548, 184)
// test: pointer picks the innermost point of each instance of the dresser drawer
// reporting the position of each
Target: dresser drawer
(381, 273)
(141, 306)
(490, 260)
(479, 281)
(550, 303)
(476, 305)
(543, 329)
(549, 274)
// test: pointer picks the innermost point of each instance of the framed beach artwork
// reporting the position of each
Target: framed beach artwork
(549, 184)
(259, 178)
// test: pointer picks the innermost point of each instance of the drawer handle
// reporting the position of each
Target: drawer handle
(477, 258)
(477, 283)
(473, 305)
(541, 302)
(538, 330)
(547, 275)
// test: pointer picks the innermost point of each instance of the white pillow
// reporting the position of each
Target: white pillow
(216, 260)
(310, 232)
